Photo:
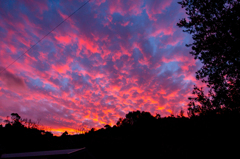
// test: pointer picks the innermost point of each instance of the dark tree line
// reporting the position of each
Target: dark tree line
(214, 26)
(138, 135)
(17, 121)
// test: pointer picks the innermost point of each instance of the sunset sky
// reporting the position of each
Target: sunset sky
(109, 58)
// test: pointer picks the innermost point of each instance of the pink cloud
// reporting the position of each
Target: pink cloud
(40, 6)
(66, 40)
(125, 23)
(99, 2)
(126, 7)
(156, 7)
(98, 65)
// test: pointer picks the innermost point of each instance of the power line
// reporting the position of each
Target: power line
(44, 36)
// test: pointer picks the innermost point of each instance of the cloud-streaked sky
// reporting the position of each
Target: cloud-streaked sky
(111, 57)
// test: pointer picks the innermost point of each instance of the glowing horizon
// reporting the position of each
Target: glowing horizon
(109, 58)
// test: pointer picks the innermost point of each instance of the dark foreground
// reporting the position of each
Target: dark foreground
(139, 135)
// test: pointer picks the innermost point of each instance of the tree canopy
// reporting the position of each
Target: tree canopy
(214, 26)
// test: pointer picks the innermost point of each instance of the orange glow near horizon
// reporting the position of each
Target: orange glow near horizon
(110, 58)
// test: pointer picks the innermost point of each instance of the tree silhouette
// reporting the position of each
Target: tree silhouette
(15, 117)
(148, 137)
(136, 117)
(16, 120)
(214, 26)
(107, 126)
(158, 116)
(64, 134)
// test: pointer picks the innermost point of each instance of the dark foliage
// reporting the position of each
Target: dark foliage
(138, 135)
(214, 25)
(20, 135)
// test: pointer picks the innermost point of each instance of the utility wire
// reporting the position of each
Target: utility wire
(45, 36)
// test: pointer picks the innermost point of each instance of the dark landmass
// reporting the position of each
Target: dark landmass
(138, 135)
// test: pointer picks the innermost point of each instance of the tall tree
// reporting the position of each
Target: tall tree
(215, 29)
